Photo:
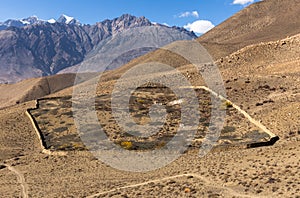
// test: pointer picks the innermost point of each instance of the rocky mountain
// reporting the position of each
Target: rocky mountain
(66, 19)
(40, 48)
(19, 23)
(127, 45)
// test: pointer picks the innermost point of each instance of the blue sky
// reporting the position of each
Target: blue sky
(189, 13)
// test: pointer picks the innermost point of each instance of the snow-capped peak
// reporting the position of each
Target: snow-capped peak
(19, 22)
(30, 20)
(25, 22)
(51, 21)
(67, 19)
(35, 20)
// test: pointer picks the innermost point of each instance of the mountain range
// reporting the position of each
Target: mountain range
(32, 47)
(35, 20)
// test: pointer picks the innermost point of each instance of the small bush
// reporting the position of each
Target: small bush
(228, 129)
(126, 145)
(161, 144)
(187, 190)
(78, 146)
(60, 129)
(228, 104)
(65, 146)
(140, 100)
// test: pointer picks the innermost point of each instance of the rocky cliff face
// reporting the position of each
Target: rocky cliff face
(41, 48)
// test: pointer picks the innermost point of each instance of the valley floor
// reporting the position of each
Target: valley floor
(25, 170)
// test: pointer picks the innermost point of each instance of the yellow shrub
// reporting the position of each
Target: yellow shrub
(127, 145)
(161, 144)
(140, 100)
(77, 145)
(226, 105)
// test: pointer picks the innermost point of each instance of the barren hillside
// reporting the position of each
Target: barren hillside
(268, 20)
(32, 89)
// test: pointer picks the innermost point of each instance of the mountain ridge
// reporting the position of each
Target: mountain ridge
(19, 23)
(42, 49)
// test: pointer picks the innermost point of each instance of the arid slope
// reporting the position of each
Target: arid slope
(32, 89)
(264, 21)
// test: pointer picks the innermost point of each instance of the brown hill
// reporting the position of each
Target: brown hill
(268, 20)
(34, 88)
(264, 79)
(264, 58)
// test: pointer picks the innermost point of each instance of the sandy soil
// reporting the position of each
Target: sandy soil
(260, 172)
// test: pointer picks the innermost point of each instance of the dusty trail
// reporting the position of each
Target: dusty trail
(230, 191)
(21, 180)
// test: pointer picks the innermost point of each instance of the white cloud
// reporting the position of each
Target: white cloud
(188, 14)
(242, 2)
(200, 26)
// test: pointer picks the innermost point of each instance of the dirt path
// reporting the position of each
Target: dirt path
(21, 180)
(230, 192)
